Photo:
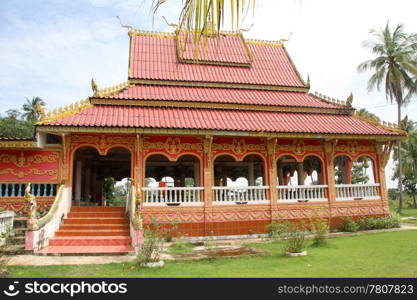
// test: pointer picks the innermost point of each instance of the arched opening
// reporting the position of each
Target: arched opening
(363, 171)
(172, 182)
(355, 180)
(313, 171)
(101, 180)
(184, 172)
(239, 181)
(342, 168)
(229, 172)
(301, 181)
(288, 168)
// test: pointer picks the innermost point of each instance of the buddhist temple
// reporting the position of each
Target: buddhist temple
(221, 142)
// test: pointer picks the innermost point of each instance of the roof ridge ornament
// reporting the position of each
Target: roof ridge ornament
(282, 41)
(66, 111)
(94, 86)
(332, 100)
(105, 92)
(383, 124)
(349, 100)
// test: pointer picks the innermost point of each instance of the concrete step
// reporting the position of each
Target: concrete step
(72, 227)
(75, 233)
(96, 221)
(91, 241)
(96, 215)
(98, 209)
(86, 250)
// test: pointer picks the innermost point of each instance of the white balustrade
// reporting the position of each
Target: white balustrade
(346, 192)
(172, 196)
(240, 194)
(302, 193)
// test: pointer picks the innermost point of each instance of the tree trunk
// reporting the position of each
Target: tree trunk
(414, 201)
(400, 174)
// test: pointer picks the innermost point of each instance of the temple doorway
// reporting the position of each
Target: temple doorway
(100, 180)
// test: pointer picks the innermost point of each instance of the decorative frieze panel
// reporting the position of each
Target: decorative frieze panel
(238, 147)
(359, 210)
(29, 166)
(355, 148)
(172, 146)
(298, 148)
(102, 142)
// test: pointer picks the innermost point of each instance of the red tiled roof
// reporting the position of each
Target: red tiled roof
(222, 48)
(221, 95)
(155, 58)
(210, 119)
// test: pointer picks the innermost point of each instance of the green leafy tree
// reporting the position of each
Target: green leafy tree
(12, 127)
(359, 171)
(30, 110)
(394, 67)
(409, 163)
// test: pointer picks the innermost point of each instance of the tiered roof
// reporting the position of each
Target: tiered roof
(230, 84)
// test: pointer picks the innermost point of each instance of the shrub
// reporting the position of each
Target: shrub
(320, 228)
(275, 229)
(348, 225)
(371, 223)
(151, 248)
(168, 233)
(293, 237)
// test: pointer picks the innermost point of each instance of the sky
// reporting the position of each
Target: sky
(52, 48)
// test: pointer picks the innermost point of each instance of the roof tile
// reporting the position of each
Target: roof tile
(210, 119)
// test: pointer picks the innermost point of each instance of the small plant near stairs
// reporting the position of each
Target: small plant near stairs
(150, 251)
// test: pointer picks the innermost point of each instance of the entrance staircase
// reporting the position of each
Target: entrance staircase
(92, 230)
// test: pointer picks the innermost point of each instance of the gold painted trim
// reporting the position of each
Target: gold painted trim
(67, 111)
(295, 68)
(213, 105)
(165, 131)
(18, 144)
(387, 128)
(218, 85)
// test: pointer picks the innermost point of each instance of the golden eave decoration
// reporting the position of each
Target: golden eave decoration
(66, 111)
(110, 91)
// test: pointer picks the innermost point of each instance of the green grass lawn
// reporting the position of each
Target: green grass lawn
(387, 254)
(406, 212)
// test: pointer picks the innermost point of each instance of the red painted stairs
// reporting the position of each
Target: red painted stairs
(92, 230)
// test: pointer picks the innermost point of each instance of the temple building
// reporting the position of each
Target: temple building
(219, 142)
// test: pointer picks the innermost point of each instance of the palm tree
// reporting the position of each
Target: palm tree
(30, 108)
(395, 66)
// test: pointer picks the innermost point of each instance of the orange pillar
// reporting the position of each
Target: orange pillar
(207, 182)
(272, 175)
(329, 156)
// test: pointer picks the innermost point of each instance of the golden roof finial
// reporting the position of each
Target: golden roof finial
(349, 100)
(94, 86)
(281, 41)
(41, 111)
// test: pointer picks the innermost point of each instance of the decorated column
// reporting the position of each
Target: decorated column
(272, 171)
(329, 147)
